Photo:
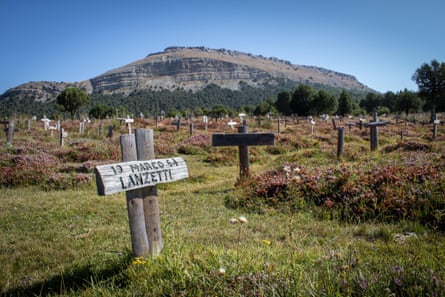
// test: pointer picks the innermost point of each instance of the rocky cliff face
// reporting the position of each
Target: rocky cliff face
(191, 69)
(43, 91)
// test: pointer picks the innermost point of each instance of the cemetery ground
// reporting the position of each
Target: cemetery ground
(305, 223)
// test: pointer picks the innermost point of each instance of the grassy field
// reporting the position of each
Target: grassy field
(58, 237)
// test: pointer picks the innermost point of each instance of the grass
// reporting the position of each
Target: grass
(75, 243)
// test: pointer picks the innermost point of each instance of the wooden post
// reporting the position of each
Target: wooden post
(145, 151)
(191, 129)
(334, 125)
(10, 131)
(62, 135)
(135, 203)
(374, 138)
(110, 131)
(279, 128)
(138, 176)
(435, 124)
(244, 170)
(28, 125)
(178, 124)
(341, 141)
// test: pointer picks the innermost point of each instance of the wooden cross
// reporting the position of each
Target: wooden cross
(374, 134)
(137, 176)
(243, 139)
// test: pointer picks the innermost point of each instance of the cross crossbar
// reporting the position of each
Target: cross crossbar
(243, 139)
(375, 124)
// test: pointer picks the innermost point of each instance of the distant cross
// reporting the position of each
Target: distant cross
(243, 139)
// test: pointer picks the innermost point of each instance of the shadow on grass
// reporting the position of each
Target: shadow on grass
(76, 281)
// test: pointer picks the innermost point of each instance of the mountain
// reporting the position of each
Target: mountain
(190, 69)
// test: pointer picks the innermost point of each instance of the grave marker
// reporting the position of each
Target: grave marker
(435, 124)
(340, 141)
(374, 133)
(137, 176)
(243, 140)
(9, 130)
(132, 175)
(62, 136)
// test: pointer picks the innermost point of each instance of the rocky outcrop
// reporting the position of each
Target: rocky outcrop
(43, 91)
(191, 68)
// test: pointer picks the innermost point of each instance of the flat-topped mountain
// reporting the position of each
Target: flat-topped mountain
(194, 68)
(191, 68)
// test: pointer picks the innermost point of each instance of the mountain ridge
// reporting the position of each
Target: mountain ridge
(190, 69)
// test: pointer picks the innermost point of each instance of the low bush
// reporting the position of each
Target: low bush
(386, 193)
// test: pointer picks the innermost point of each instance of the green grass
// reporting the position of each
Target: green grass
(76, 243)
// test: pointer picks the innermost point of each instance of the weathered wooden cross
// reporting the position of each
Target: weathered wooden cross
(374, 134)
(138, 175)
(243, 139)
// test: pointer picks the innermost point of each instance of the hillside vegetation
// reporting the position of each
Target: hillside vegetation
(304, 224)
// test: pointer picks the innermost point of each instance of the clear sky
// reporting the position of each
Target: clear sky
(380, 42)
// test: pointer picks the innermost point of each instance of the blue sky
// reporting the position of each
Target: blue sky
(380, 42)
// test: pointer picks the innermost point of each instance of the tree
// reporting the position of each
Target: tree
(408, 101)
(264, 108)
(372, 102)
(344, 104)
(390, 101)
(302, 100)
(430, 79)
(324, 103)
(101, 111)
(283, 103)
(218, 111)
(71, 99)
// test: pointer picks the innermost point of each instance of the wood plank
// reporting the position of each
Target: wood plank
(373, 124)
(243, 139)
(125, 176)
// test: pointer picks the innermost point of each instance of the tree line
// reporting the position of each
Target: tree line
(305, 100)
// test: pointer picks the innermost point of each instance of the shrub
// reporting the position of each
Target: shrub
(386, 193)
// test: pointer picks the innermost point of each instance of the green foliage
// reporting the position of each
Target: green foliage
(352, 194)
(344, 104)
(264, 107)
(302, 100)
(218, 111)
(371, 102)
(101, 111)
(324, 103)
(430, 79)
(71, 99)
(408, 101)
(283, 103)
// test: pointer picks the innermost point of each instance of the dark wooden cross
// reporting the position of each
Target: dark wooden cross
(243, 140)
(374, 134)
